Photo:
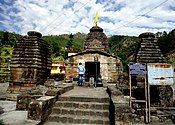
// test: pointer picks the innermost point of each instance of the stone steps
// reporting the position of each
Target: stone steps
(78, 119)
(84, 99)
(56, 123)
(79, 112)
(82, 105)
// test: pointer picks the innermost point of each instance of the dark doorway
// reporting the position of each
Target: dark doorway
(92, 69)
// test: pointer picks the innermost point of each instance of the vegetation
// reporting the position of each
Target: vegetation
(121, 46)
(166, 41)
(59, 45)
(7, 42)
(1, 122)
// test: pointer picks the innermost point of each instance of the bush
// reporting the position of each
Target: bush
(1, 122)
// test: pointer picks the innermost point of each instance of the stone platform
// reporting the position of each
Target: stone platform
(98, 92)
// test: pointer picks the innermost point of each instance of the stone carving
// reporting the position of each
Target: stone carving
(29, 74)
(96, 44)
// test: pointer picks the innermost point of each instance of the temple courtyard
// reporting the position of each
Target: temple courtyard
(80, 105)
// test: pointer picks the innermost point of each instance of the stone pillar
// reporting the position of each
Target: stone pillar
(31, 63)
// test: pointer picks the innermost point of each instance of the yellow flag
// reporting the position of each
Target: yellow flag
(96, 19)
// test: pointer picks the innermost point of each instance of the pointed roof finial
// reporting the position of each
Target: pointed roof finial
(96, 18)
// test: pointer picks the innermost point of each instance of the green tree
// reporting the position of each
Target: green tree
(70, 41)
(167, 42)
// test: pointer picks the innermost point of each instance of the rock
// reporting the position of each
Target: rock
(49, 83)
(123, 82)
(133, 111)
(114, 91)
(122, 123)
(142, 118)
(160, 112)
(42, 89)
(1, 110)
(137, 119)
(153, 110)
(120, 100)
(3, 90)
(154, 119)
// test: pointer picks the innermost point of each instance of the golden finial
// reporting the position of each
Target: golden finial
(96, 19)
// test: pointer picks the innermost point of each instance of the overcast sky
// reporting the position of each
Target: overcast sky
(117, 17)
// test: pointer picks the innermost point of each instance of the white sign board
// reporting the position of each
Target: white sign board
(160, 74)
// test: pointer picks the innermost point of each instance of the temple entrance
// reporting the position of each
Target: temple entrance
(92, 70)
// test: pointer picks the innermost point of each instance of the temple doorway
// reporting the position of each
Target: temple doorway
(92, 70)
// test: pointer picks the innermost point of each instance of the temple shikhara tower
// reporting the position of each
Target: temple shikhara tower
(95, 58)
(31, 63)
(149, 51)
(96, 40)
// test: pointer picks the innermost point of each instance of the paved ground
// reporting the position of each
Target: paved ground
(12, 116)
(98, 92)
(3, 89)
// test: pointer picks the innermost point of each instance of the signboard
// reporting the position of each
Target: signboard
(137, 69)
(160, 74)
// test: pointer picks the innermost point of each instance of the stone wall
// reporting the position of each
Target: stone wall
(110, 67)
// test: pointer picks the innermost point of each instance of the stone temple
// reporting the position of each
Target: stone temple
(31, 63)
(95, 58)
(148, 50)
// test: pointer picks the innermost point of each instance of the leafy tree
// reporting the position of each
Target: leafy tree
(70, 42)
(123, 47)
(167, 41)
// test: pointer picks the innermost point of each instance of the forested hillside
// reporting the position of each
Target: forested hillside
(59, 44)
(166, 41)
(122, 46)
(7, 41)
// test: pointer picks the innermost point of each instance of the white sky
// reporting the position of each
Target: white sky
(117, 17)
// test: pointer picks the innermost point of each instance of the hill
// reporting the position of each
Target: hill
(60, 43)
(122, 46)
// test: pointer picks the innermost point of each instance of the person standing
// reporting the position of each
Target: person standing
(81, 72)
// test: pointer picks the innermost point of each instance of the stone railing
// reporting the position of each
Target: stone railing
(120, 111)
(40, 106)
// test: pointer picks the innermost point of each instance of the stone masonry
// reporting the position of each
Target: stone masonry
(79, 107)
(31, 63)
(149, 51)
(96, 40)
(110, 66)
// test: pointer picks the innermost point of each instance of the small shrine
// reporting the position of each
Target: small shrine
(148, 50)
(95, 58)
(30, 64)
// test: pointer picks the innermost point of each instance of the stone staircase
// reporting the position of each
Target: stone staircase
(80, 110)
